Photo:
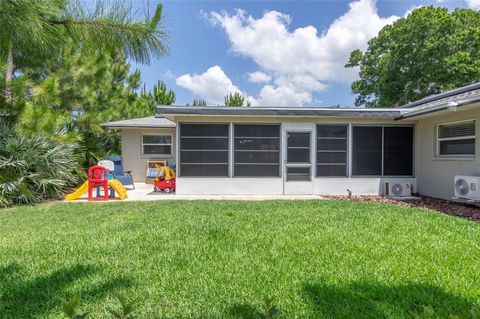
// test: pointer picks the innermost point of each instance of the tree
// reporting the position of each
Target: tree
(32, 30)
(161, 96)
(235, 99)
(76, 92)
(199, 102)
(430, 51)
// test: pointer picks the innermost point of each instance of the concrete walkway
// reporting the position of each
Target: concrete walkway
(144, 192)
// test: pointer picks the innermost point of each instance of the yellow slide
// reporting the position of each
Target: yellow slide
(119, 188)
(115, 184)
(78, 192)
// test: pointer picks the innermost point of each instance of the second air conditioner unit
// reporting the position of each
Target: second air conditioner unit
(398, 188)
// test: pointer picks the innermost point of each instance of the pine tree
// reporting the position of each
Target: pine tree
(31, 31)
(235, 99)
(199, 102)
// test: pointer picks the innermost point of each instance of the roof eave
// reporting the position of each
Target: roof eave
(439, 108)
(277, 112)
(116, 127)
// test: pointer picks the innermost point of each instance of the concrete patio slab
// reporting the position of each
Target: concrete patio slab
(144, 192)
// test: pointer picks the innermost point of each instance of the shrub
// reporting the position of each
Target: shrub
(33, 168)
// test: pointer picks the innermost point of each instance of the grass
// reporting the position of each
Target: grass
(220, 259)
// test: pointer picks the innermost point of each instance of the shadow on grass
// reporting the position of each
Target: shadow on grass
(367, 300)
(31, 298)
(243, 311)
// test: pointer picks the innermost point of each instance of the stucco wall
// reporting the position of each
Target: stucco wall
(275, 186)
(435, 176)
(133, 159)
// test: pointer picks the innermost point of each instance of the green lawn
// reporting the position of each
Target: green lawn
(219, 259)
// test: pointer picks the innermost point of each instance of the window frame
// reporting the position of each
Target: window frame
(179, 148)
(352, 128)
(233, 150)
(453, 156)
(157, 144)
(348, 151)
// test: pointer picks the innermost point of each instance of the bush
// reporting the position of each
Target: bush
(33, 168)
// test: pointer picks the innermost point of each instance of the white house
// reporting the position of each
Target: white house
(293, 150)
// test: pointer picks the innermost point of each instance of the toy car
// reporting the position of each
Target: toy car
(164, 180)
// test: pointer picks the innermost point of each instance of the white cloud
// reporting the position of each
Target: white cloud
(301, 61)
(473, 4)
(283, 96)
(414, 7)
(259, 77)
(212, 85)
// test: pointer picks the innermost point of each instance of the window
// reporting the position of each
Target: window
(204, 149)
(157, 144)
(256, 150)
(332, 150)
(382, 151)
(456, 139)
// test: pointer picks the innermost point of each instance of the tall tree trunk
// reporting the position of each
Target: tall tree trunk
(7, 92)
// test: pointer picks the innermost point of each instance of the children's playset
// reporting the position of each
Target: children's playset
(102, 181)
(103, 185)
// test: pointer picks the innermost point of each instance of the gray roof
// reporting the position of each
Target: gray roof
(455, 98)
(145, 122)
(461, 93)
(458, 97)
(462, 97)
(279, 111)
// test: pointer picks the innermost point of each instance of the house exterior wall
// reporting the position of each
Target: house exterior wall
(435, 175)
(276, 185)
(133, 159)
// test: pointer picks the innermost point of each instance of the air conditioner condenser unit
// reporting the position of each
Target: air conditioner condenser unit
(398, 188)
(467, 187)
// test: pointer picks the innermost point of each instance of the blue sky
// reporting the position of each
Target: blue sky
(274, 52)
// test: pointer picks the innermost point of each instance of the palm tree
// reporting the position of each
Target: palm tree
(32, 29)
(33, 168)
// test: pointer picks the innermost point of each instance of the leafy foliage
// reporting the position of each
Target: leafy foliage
(126, 311)
(269, 310)
(235, 99)
(33, 168)
(69, 69)
(429, 51)
(78, 93)
(69, 307)
(28, 26)
(161, 96)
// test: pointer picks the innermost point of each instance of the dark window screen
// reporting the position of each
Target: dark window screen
(298, 147)
(398, 151)
(256, 150)
(332, 150)
(367, 150)
(204, 149)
